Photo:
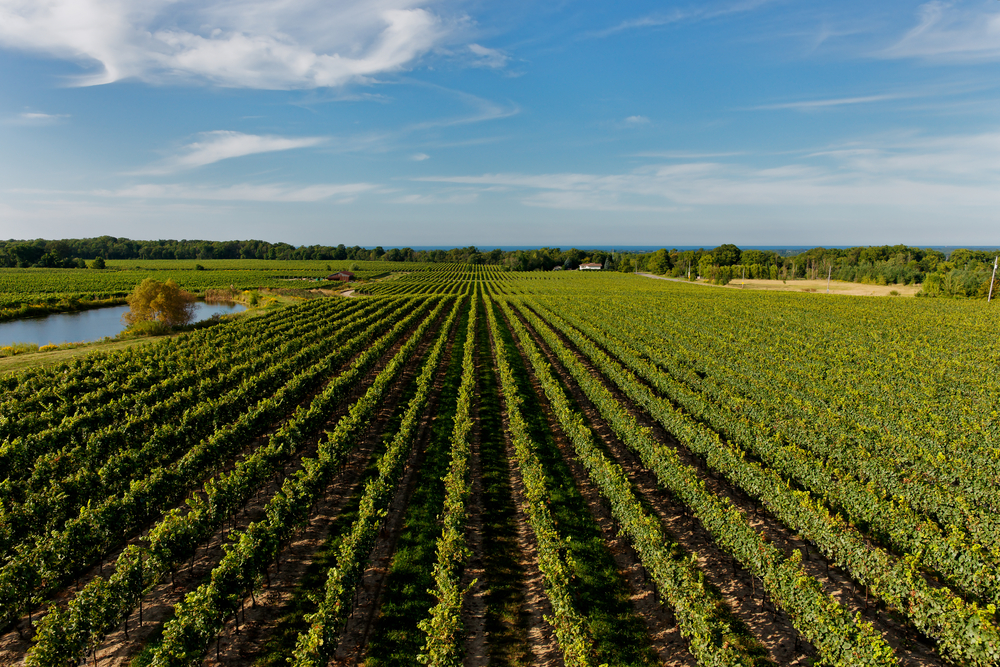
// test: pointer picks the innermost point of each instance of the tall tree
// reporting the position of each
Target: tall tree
(164, 302)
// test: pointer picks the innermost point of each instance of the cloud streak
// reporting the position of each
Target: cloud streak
(806, 105)
(486, 57)
(224, 145)
(948, 33)
(295, 44)
(36, 118)
(948, 172)
(243, 192)
(660, 19)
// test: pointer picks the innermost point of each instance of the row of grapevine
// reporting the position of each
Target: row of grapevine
(103, 605)
(315, 646)
(963, 631)
(203, 611)
(184, 372)
(916, 511)
(443, 624)
(34, 572)
(949, 554)
(106, 462)
(840, 639)
(567, 622)
(447, 280)
(119, 384)
(117, 366)
(699, 613)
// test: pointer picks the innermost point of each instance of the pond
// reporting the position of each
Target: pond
(88, 325)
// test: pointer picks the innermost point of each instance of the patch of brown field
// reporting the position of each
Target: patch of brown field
(809, 286)
(819, 287)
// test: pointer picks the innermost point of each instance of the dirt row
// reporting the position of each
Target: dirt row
(661, 626)
(542, 642)
(474, 606)
(744, 595)
(356, 635)
(741, 594)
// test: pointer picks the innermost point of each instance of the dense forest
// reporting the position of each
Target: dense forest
(962, 273)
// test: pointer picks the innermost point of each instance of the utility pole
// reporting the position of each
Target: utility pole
(992, 278)
(744, 283)
(828, 274)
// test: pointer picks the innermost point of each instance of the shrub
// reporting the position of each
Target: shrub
(146, 328)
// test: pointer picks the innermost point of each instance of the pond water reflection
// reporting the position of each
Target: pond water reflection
(89, 325)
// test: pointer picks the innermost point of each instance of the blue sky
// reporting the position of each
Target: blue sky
(400, 122)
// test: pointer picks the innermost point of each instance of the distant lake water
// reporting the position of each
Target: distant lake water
(88, 325)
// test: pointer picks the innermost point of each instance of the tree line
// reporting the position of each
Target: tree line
(74, 253)
(961, 273)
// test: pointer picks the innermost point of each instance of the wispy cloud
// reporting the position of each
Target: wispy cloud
(235, 43)
(223, 145)
(960, 172)
(660, 19)
(947, 32)
(486, 57)
(806, 105)
(636, 121)
(651, 21)
(682, 155)
(428, 199)
(482, 110)
(242, 192)
(420, 157)
(36, 118)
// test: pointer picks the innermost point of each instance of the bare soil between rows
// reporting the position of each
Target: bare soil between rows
(661, 626)
(541, 638)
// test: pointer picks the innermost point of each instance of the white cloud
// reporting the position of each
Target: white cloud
(222, 145)
(242, 192)
(682, 155)
(658, 19)
(949, 173)
(636, 121)
(236, 43)
(36, 118)
(491, 58)
(807, 105)
(459, 198)
(651, 21)
(949, 33)
(420, 157)
(43, 116)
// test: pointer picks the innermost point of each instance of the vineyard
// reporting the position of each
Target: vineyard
(35, 291)
(468, 466)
